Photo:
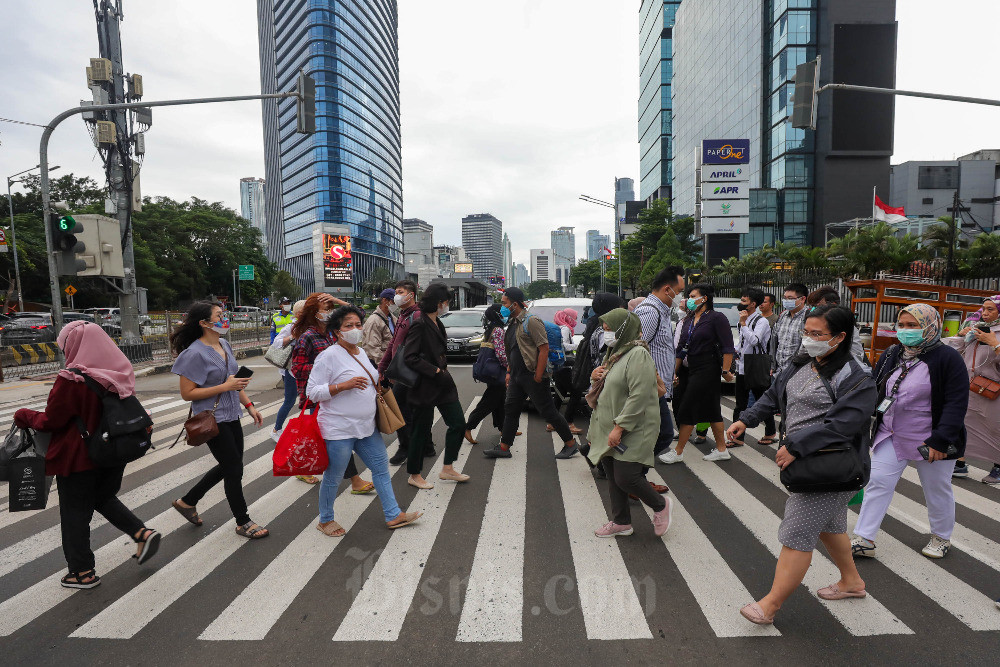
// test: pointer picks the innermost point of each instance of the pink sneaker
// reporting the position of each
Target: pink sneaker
(662, 519)
(612, 529)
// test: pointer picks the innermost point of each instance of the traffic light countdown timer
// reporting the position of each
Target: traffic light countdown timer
(64, 231)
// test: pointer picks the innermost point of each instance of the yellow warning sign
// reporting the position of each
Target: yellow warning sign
(70, 290)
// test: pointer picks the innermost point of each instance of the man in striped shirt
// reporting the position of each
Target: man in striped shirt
(658, 332)
(786, 336)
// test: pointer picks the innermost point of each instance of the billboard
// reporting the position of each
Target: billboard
(337, 268)
(463, 268)
(718, 174)
(725, 151)
(735, 190)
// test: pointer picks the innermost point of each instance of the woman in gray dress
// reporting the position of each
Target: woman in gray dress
(830, 400)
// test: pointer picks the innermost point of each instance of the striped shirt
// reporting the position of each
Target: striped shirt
(786, 338)
(658, 332)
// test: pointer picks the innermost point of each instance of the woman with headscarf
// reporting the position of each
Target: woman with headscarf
(923, 393)
(626, 423)
(979, 344)
(634, 303)
(82, 486)
(493, 397)
(566, 321)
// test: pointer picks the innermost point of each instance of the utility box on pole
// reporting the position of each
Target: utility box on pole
(103, 255)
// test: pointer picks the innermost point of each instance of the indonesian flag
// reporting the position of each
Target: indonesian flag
(887, 213)
(608, 253)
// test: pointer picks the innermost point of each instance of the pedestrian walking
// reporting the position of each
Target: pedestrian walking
(755, 335)
(923, 393)
(830, 400)
(282, 340)
(706, 349)
(206, 366)
(979, 345)
(634, 303)
(492, 400)
(312, 336)
(767, 309)
(786, 334)
(342, 383)
(527, 347)
(282, 318)
(681, 380)
(626, 424)
(566, 320)
(379, 327)
(426, 354)
(829, 296)
(82, 486)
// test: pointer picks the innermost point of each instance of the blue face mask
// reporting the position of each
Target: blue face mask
(910, 337)
(504, 313)
(692, 304)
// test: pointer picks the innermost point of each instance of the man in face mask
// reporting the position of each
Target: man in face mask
(378, 329)
(755, 336)
(786, 334)
(282, 318)
(527, 347)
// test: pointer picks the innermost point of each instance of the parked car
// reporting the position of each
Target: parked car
(110, 319)
(248, 314)
(28, 328)
(546, 309)
(464, 329)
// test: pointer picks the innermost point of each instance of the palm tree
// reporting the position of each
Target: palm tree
(936, 240)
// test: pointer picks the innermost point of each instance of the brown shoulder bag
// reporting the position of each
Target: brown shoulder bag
(981, 386)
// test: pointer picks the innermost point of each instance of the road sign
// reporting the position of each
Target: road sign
(265, 299)
(3, 241)
(70, 290)
(246, 271)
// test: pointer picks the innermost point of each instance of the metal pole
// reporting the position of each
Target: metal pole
(907, 93)
(13, 243)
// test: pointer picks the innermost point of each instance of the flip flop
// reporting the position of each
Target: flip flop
(364, 490)
(766, 440)
(408, 518)
(331, 529)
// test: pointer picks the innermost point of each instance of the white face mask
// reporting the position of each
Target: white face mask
(789, 304)
(394, 309)
(443, 309)
(817, 348)
(352, 336)
(324, 316)
(285, 309)
(610, 338)
(401, 299)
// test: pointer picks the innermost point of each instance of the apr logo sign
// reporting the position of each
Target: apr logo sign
(726, 190)
(725, 151)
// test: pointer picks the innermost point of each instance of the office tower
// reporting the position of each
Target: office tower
(655, 71)
(563, 253)
(624, 192)
(418, 245)
(482, 238)
(596, 242)
(252, 203)
(507, 269)
(349, 172)
(542, 266)
(521, 275)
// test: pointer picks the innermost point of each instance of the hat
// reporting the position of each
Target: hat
(515, 294)
(387, 293)
(285, 300)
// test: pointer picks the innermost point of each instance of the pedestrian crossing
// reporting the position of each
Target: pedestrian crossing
(379, 586)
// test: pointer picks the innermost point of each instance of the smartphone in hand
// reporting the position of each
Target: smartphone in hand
(243, 372)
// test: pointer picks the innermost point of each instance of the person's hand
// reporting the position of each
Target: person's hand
(728, 376)
(783, 458)
(235, 384)
(987, 337)
(965, 331)
(286, 341)
(257, 419)
(615, 436)
(598, 373)
(934, 455)
(354, 383)
(677, 381)
(21, 417)
(736, 431)
(507, 380)
(743, 317)
(327, 299)
(539, 378)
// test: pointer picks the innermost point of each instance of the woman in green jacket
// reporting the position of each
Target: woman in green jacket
(626, 423)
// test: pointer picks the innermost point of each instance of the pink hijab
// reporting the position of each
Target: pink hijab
(566, 318)
(634, 303)
(89, 348)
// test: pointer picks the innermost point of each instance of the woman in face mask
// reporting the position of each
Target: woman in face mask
(829, 402)
(342, 383)
(495, 393)
(312, 336)
(426, 346)
(923, 396)
(207, 369)
(283, 339)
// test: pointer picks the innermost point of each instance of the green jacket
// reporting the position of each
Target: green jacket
(628, 399)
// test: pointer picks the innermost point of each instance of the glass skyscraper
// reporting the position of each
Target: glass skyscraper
(350, 171)
(656, 73)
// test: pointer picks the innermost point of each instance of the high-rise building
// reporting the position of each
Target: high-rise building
(542, 266)
(926, 190)
(482, 238)
(418, 245)
(800, 180)
(252, 203)
(521, 275)
(624, 192)
(507, 269)
(563, 253)
(349, 172)
(596, 243)
(656, 71)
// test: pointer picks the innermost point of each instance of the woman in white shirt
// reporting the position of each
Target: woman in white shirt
(566, 320)
(342, 383)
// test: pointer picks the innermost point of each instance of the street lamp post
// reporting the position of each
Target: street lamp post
(618, 235)
(13, 233)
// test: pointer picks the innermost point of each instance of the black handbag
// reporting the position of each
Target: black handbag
(488, 368)
(398, 371)
(837, 467)
(757, 366)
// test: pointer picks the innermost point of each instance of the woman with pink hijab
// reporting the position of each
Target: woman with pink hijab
(566, 320)
(84, 487)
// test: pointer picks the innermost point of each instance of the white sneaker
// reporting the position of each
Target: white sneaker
(670, 456)
(862, 547)
(936, 548)
(275, 434)
(716, 455)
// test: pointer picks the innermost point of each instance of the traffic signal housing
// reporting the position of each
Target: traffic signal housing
(68, 247)
(806, 100)
(305, 104)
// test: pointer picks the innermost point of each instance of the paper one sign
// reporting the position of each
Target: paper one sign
(337, 265)
(725, 151)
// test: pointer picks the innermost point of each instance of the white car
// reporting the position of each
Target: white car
(546, 309)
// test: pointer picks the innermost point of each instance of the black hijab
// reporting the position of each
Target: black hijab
(491, 320)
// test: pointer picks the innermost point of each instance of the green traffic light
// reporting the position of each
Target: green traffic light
(67, 223)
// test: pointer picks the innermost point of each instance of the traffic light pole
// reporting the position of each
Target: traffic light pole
(907, 93)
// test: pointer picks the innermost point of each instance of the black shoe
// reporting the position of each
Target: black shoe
(585, 449)
(497, 453)
(568, 451)
(429, 453)
(398, 458)
(599, 473)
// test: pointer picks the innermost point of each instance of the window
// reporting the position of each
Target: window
(937, 178)
(928, 200)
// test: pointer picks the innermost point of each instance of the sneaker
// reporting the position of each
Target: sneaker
(275, 434)
(598, 472)
(998, 603)
(497, 453)
(612, 529)
(862, 547)
(670, 456)
(994, 476)
(399, 458)
(567, 451)
(716, 455)
(961, 470)
(662, 519)
(936, 548)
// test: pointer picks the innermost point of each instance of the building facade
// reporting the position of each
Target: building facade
(596, 242)
(927, 189)
(542, 266)
(563, 253)
(655, 74)
(624, 192)
(482, 238)
(349, 172)
(418, 245)
(521, 276)
(252, 203)
(507, 268)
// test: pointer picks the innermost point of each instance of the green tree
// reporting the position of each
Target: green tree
(284, 285)
(935, 241)
(677, 247)
(377, 281)
(538, 289)
(867, 251)
(586, 275)
(981, 257)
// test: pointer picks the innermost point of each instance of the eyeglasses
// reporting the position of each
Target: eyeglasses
(816, 335)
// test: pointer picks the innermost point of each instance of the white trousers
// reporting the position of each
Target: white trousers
(935, 480)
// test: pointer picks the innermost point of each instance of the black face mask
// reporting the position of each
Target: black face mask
(742, 307)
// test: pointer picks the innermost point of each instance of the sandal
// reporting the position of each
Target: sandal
(308, 479)
(189, 513)
(575, 431)
(331, 529)
(404, 519)
(150, 543)
(81, 580)
(766, 440)
(364, 490)
(251, 531)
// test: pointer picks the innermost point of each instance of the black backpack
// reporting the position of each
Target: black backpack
(124, 433)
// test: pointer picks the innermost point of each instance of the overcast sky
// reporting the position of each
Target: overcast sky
(513, 108)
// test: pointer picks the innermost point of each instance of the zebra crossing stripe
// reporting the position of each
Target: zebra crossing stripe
(9, 412)
(719, 596)
(494, 598)
(610, 606)
(964, 497)
(379, 610)
(255, 611)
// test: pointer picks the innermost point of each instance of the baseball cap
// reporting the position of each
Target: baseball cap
(387, 293)
(515, 294)
(285, 300)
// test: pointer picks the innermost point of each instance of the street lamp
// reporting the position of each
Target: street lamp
(13, 234)
(618, 235)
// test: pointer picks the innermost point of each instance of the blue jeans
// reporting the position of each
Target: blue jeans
(291, 393)
(666, 435)
(372, 452)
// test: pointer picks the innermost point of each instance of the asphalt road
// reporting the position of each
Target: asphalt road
(502, 569)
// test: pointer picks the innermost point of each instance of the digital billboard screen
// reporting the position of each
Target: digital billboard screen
(337, 270)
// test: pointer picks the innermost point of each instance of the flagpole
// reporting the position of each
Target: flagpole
(874, 188)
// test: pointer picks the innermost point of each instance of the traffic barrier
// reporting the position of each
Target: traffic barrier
(28, 353)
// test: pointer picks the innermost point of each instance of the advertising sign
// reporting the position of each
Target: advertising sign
(463, 268)
(725, 225)
(725, 208)
(725, 151)
(3, 241)
(337, 267)
(724, 174)
(738, 190)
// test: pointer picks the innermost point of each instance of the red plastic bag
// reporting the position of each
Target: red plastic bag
(301, 449)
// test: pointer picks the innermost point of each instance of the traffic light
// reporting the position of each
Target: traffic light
(805, 100)
(305, 104)
(64, 231)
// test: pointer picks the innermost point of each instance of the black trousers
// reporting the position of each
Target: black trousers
(227, 448)
(743, 397)
(491, 403)
(80, 493)
(522, 387)
(624, 478)
(573, 404)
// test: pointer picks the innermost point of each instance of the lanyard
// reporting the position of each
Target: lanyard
(687, 343)
(902, 376)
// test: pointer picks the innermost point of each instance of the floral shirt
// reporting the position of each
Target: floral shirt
(498, 345)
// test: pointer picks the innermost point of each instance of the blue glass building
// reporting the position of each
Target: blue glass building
(656, 73)
(350, 171)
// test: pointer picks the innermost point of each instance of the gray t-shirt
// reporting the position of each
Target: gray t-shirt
(206, 368)
(808, 400)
